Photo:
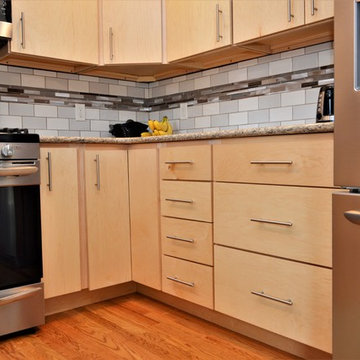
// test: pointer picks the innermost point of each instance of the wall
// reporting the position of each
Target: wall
(273, 90)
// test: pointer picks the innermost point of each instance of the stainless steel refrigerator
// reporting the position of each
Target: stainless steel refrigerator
(346, 206)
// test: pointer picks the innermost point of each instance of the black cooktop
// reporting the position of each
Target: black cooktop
(18, 135)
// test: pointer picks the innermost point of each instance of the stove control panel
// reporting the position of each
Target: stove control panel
(7, 150)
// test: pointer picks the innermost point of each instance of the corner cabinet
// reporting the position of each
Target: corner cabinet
(60, 220)
(316, 10)
(107, 214)
(132, 31)
(197, 26)
(66, 30)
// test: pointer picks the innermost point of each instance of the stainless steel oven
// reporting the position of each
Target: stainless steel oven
(21, 290)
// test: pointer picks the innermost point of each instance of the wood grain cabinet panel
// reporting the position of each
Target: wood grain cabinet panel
(186, 200)
(60, 221)
(132, 31)
(190, 240)
(285, 160)
(66, 30)
(285, 221)
(186, 162)
(107, 212)
(316, 10)
(257, 18)
(304, 313)
(145, 216)
(189, 281)
(196, 26)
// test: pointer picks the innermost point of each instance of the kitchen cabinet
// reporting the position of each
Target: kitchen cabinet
(197, 26)
(132, 31)
(256, 18)
(107, 214)
(145, 216)
(316, 10)
(60, 220)
(66, 30)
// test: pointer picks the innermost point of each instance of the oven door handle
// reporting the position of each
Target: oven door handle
(19, 296)
(18, 170)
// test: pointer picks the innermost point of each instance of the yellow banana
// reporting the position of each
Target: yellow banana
(151, 125)
(161, 132)
(170, 129)
(157, 125)
(145, 134)
(164, 125)
(156, 132)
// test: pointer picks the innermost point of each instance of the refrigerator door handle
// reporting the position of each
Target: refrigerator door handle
(353, 216)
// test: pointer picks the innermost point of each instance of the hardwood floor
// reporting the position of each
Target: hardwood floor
(133, 327)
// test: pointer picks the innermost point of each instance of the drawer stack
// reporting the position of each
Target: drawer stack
(186, 222)
(272, 234)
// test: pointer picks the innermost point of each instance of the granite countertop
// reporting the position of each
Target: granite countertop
(210, 135)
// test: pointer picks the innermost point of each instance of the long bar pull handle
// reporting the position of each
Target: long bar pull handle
(290, 15)
(180, 200)
(173, 162)
(262, 294)
(187, 283)
(180, 239)
(97, 160)
(218, 13)
(22, 29)
(18, 296)
(313, 8)
(111, 43)
(50, 183)
(285, 223)
(353, 216)
(271, 162)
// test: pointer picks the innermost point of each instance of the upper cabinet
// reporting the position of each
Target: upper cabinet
(316, 10)
(132, 31)
(256, 18)
(66, 30)
(197, 26)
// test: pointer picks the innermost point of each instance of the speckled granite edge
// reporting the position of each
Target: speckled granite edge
(211, 135)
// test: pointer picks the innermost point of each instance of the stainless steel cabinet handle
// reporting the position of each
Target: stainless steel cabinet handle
(270, 162)
(218, 13)
(111, 43)
(22, 29)
(180, 239)
(18, 296)
(313, 8)
(49, 185)
(285, 223)
(97, 160)
(180, 200)
(187, 283)
(290, 15)
(353, 216)
(262, 294)
(179, 162)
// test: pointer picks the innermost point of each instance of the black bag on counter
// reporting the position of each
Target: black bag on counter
(130, 129)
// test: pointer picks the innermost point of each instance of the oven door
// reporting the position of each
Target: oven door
(20, 226)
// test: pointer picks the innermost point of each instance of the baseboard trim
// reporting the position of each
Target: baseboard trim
(238, 326)
(86, 297)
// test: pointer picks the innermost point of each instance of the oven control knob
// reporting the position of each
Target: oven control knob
(7, 151)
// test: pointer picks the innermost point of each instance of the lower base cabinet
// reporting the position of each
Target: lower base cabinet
(288, 298)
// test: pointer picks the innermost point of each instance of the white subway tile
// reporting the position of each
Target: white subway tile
(21, 109)
(188, 85)
(8, 78)
(136, 92)
(56, 84)
(202, 82)
(98, 88)
(92, 114)
(99, 125)
(47, 132)
(238, 75)
(251, 103)
(219, 79)
(67, 76)
(247, 63)
(319, 47)
(238, 118)
(210, 72)
(10, 121)
(172, 88)
(258, 71)
(280, 66)
(258, 116)
(220, 120)
(311, 95)
(4, 108)
(78, 86)
(45, 73)
(269, 58)
(304, 111)
(211, 109)
(227, 107)
(158, 91)
(20, 70)
(69, 133)
(281, 114)
(79, 125)
(292, 53)
(45, 110)
(118, 90)
(195, 110)
(305, 62)
(125, 115)
(187, 124)
(326, 57)
(269, 101)
(293, 98)
(34, 122)
(32, 81)
(66, 112)
(57, 124)
(89, 78)
(3, 68)
(202, 122)
(109, 115)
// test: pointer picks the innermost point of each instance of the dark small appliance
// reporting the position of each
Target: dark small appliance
(325, 107)
(130, 129)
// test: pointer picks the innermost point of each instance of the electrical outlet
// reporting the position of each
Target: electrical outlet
(183, 111)
(79, 111)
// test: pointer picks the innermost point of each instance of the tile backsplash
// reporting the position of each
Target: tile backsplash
(278, 89)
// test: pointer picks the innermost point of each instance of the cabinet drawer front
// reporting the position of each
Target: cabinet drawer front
(308, 288)
(290, 222)
(187, 200)
(289, 160)
(190, 240)
(186, 162)
(188, 281)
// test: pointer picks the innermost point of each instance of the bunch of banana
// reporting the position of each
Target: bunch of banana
(159, 128)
